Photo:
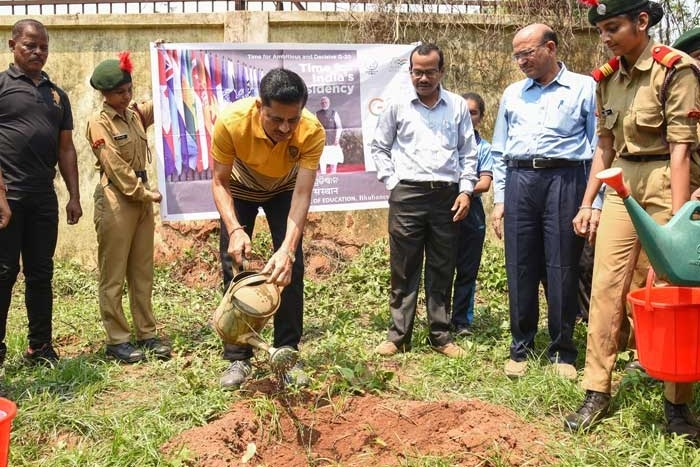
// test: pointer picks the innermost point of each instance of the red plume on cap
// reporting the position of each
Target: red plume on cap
(125, 62)
(589, 3)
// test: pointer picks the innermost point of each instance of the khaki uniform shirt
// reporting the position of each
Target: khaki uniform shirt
(121, 148)
(629, 108)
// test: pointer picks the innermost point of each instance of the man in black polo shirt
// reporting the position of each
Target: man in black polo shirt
(36, 133)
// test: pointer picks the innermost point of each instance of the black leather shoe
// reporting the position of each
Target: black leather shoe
(595, 406)
(156, 347)
(680, 421)
(44, 355)
(125, 352)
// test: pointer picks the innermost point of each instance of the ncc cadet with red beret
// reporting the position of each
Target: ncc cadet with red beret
(689, 42)
(124, 212)
(643, 99)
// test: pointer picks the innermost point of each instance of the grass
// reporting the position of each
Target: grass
(88, 411)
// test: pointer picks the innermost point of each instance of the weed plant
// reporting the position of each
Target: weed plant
(92, 412)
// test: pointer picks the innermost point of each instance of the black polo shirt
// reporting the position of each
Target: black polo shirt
(31, 119)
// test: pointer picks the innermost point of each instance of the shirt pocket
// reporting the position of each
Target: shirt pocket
(649, 120)
(644, 130)
(563, 118)
(126, 147)
(448, 135)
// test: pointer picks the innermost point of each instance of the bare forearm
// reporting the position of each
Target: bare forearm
(483, 185)
(224, 204)
(680, 174)
(602, 159)
(68, 166)
(301, 200)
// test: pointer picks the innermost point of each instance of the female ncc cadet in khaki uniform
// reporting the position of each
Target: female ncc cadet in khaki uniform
(650, 137)
(689, 42)
(124, 212)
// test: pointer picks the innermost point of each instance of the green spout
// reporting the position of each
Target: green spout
(673, 249)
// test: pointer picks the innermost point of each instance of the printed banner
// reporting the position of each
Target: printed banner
(348, 88)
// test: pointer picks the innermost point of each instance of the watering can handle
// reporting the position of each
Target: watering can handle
(651, 278)
(243, 267)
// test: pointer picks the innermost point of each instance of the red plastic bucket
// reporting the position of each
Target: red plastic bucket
(667, 330)
(8, 410)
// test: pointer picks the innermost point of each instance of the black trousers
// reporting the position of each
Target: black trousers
(288, 321)
(540, 243)
(420, 225)
(31, 234)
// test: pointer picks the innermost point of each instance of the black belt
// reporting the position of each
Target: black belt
(139, 173)
(647, 158)
(542, 163)
(429, 185)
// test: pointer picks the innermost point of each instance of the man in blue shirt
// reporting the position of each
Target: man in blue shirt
(542, 147)
(425, 153)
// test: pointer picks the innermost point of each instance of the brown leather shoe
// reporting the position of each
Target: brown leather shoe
(565, 370)
(386, 349)
(515, 369)
(679, 421)
(451, 350)
(595, 406)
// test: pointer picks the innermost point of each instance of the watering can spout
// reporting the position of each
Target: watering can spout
(673, 249)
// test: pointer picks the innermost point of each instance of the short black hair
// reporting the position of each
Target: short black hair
(19, 27)
(472, 96)
(426, 49)
(284, 86)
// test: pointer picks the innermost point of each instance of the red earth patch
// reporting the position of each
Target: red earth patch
(297, 431)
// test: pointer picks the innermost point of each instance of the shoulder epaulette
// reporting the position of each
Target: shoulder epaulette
(665, 55)
(606, 70)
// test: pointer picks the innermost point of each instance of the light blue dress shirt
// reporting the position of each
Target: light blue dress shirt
(556, 120)
(418, 143)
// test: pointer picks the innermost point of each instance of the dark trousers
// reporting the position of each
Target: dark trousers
(31, 233)
(470, 244)
(288, 321)
(420, 224)
(540, 243)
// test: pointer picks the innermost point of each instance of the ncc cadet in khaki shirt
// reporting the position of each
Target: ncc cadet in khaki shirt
(689, 42)
(651, 141)
(124, 213)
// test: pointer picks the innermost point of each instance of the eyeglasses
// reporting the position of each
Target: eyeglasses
(430, 74)
(527, 53)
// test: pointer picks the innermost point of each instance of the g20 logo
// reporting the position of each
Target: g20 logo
(376, 106)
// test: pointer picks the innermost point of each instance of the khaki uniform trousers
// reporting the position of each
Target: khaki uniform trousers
(610, 323)
(124, 249)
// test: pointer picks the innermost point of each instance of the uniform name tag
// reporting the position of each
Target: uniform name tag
(120, 137)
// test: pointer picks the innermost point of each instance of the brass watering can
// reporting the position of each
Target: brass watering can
(674, 248)
(246, 307)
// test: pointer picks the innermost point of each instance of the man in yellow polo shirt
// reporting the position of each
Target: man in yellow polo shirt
(266, 152)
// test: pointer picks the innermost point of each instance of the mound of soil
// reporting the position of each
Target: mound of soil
(362, 431)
